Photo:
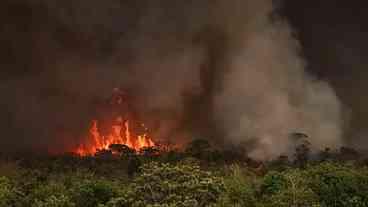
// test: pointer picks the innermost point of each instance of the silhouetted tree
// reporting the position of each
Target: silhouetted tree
(298, 136)
(347, 153)
(198, 148)
(302, 152)
(281, 163)
(122, 150)
(165, 146)
(325, 155)
(104, 154)
(150, 152)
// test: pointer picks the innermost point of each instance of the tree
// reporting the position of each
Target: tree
(302, 153)
(281, 163)
(347, 153)
(325, 155)
(339, 185)
(288, 189)
(240, 189)
(198, 148)
(171, 185)
(93, 193)
(104, 154)
(122, 150)
(150, 152)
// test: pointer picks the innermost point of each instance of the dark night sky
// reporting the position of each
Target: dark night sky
(333, 34)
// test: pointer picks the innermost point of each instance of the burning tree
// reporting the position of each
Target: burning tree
(119, 128)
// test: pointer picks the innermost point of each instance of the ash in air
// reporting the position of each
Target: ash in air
(230, 71)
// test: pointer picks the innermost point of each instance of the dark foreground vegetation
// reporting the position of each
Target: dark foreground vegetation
(198, 177)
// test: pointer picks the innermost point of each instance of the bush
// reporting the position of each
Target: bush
(273, 182)
(44, 191)
(339, 185)
(288, 188)
(6, 192)
(240, 189)
(171, 185)
(54, 201)
(93, 193)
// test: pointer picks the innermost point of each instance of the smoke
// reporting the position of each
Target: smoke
(267, 95)
(218, 69)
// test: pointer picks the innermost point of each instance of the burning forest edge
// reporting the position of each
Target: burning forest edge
(118, 162)
(121, 130)
(100, 143)
(172, 103)
(199, 175)
(118, 131)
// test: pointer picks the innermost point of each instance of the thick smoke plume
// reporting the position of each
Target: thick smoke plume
(228, 70)
(266, 93)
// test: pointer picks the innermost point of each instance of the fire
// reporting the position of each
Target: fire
(120, 134)
(122, 131)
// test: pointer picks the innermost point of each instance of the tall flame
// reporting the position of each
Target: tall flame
(120, 134)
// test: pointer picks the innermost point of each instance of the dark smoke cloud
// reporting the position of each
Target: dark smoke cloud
(333, 34)
(229, 69)
(266, 93)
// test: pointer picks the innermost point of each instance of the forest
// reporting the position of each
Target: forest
(89, 89)
(198, 176)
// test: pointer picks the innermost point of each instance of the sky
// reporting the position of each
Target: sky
(42, 43)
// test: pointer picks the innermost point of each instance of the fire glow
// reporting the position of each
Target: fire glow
(120, 134)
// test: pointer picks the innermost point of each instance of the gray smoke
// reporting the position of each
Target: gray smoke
(267, 95)
(228, 69)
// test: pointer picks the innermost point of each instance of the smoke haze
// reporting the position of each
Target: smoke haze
(217, 69)
(267, 95)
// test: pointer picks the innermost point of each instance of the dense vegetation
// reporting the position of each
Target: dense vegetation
(198, 177)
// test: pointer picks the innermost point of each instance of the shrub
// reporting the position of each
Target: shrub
(171, 185)
(93, 193)
(54, 201)
(6, 192)
(44, 191)
(339, 185)
(273, 182)
(288, 188)
(240, 189)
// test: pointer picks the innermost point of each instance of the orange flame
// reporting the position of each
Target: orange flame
(120, 134)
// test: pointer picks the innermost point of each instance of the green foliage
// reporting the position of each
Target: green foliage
(45, 191)
(339, 185)
(172, 185)
(93, 193)
(118, 202)
(273, 182)
(6, 192)
(288, 188)
(133, 166)
(54, 201)
(240, 188)
(96, 182)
